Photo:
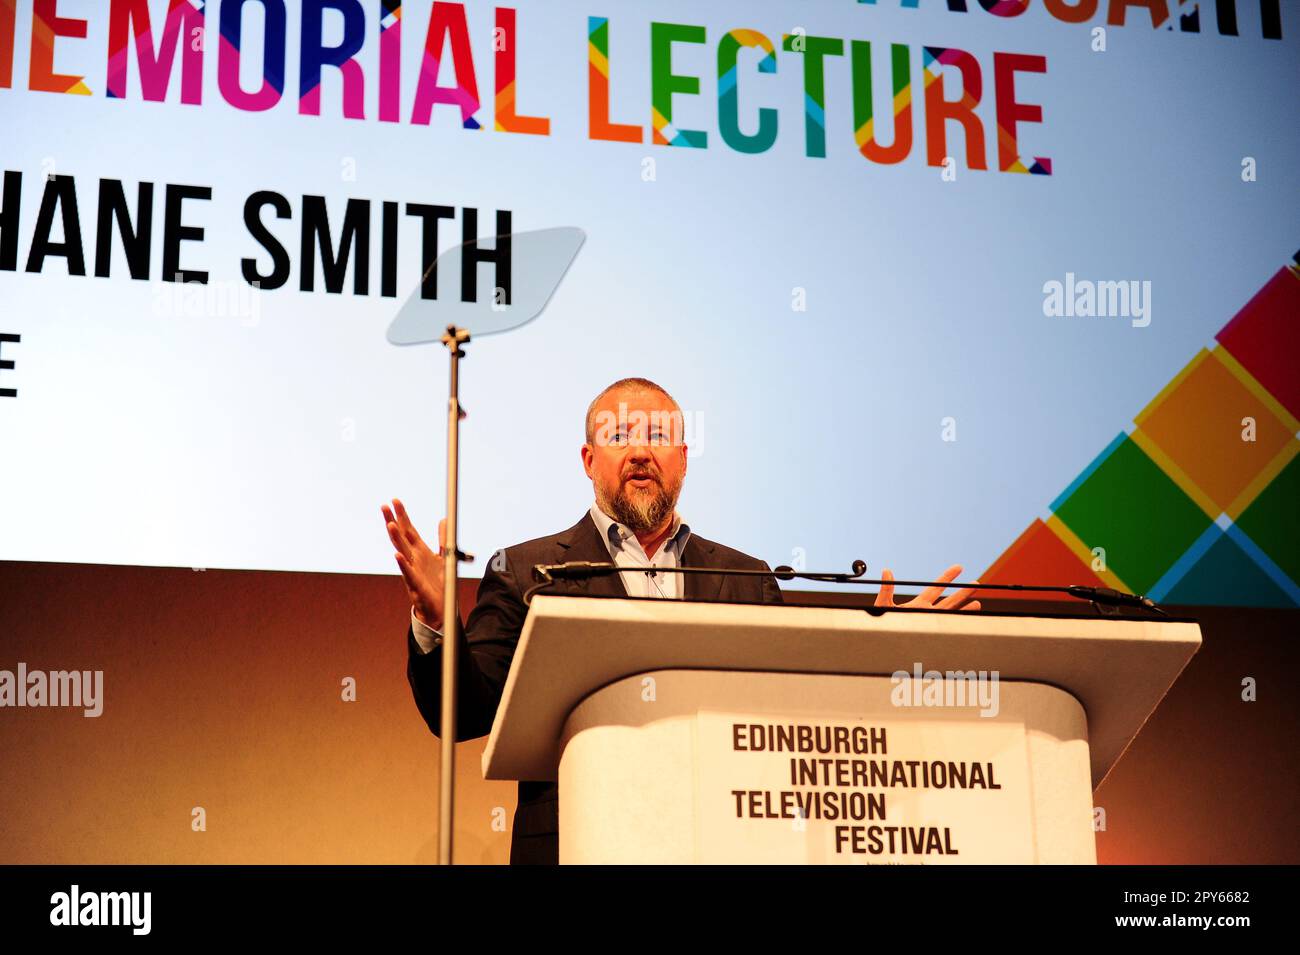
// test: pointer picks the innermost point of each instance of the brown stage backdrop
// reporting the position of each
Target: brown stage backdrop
(224, 691)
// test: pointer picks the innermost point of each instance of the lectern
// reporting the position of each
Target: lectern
(689, 732)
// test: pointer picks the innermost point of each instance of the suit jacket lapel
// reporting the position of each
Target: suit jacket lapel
(582, 542)
(699, 553)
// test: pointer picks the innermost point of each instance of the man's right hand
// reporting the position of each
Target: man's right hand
(422, 568)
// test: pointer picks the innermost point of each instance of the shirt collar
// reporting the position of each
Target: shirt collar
(614, 533)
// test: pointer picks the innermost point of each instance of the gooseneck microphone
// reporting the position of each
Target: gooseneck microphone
(547, 575)
(574, 570)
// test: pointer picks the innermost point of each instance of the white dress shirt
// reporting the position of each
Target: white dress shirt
(625, 551)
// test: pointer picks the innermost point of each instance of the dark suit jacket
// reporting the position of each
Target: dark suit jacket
(488, 645)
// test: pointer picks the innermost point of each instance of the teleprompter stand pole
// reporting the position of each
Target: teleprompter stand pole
(453, 339)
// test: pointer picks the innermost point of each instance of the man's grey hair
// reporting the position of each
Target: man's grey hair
(634, 384)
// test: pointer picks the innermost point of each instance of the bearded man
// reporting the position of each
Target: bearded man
(635, 457)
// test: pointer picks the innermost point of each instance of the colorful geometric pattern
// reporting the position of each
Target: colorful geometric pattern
(815, 49)
(8, 16)
(231, 29)
(46, 25)
(939, 110)
(507, 119)
(185, 21)
(390, 60)
(315, 56)
(728, 96)
(599, 125)
(664, 84)
(863, 121)
(1200, 502)
(447, 23)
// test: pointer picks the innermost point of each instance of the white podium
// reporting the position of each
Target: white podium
(722, 733)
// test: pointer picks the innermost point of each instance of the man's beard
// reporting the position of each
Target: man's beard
(640, 509)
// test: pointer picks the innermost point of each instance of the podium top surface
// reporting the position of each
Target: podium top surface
(1118, 669)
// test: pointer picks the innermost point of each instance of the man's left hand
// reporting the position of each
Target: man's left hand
(930, 597)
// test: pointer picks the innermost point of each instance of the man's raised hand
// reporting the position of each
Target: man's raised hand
(958, 600)
(421, 567)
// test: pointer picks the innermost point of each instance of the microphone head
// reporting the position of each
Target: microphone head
(859, 568)
(784, 572)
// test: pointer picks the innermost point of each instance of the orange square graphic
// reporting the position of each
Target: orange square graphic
(1214, 431)
(1039, 557)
